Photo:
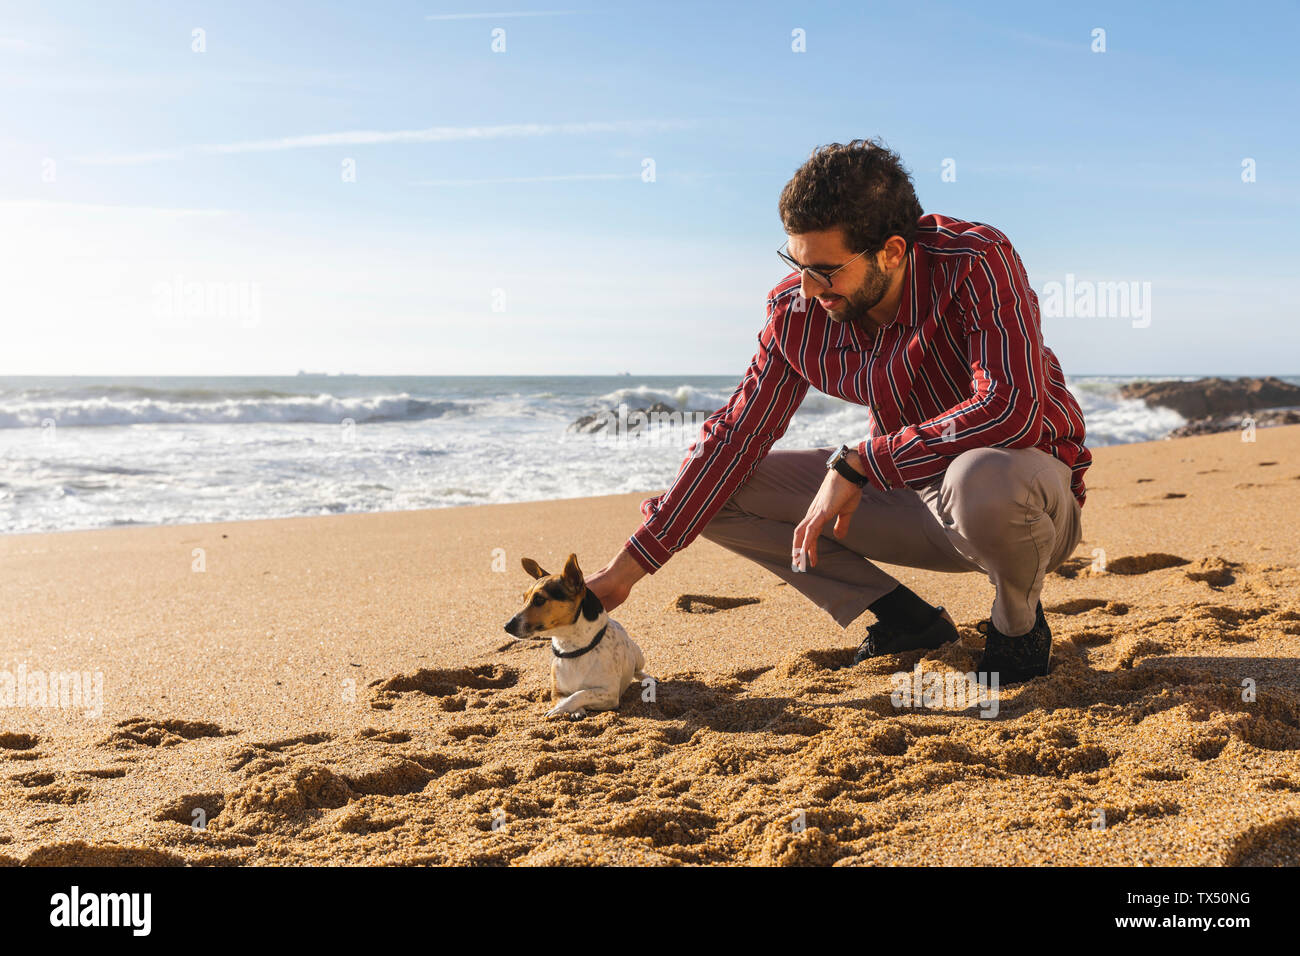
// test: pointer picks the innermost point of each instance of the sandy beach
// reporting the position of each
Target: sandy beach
(339, 690)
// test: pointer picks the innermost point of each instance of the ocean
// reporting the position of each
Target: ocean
(81, 453)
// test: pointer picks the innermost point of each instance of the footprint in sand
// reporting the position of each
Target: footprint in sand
(9, 742)
(147, 732)
(1090, 638)
(1144, 563)
(385, 736)
(1070, 567)
(1216, 572)
(182, 809)
(58, 794)
(265, 753)
(748, 674)
(465, 731)
(41, 788)
(816, 659)
(1163, 774)
(1076, 606)
(33, 778)
(446, 683)
(103, 773)
(443, 682)
(710, 604)
(310, 740)
(1129, 564)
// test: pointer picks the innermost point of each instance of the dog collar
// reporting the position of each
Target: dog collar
(582, 650)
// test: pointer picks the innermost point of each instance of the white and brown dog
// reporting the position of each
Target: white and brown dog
(593, 661)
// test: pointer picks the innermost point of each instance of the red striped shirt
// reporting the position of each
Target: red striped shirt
(963, 366)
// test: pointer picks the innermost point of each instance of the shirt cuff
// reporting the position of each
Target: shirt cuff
(647, 551)
(882, 473)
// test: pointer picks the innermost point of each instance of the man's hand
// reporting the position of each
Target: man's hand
(614, 581)
(836, 501)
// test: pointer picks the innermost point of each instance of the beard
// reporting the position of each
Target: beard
(865, 297)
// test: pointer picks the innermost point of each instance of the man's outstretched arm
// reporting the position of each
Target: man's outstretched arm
(730, 445)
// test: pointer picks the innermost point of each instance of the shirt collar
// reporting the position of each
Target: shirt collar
(906, 314)
(907, 304)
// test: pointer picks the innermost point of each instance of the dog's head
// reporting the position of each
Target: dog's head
(553, 600)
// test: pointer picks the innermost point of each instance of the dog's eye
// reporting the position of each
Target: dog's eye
(538, 600)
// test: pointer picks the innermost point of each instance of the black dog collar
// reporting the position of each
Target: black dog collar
(582, 650)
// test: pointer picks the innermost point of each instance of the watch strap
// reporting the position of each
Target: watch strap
(846, 470)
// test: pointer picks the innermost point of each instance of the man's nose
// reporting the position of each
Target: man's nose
(807, 287)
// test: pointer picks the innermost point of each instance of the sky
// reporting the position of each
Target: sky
(451, 188)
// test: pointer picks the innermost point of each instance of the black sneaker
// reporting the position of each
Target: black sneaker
(883, 639)
(1017, 659)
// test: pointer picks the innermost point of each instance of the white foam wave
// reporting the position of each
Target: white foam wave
(321, 409)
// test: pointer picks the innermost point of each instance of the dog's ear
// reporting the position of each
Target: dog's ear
(533, 568)
(573, 574)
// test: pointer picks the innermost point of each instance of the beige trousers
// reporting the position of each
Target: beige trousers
(1006, 512)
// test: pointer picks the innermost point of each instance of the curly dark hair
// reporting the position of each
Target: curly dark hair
(860, 187)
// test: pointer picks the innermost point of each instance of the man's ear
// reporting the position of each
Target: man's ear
(894, 252)
(573, 574)
(533, 568)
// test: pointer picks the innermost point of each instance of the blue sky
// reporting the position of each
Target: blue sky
(167, 211)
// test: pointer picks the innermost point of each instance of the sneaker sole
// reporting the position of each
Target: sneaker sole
(919, 647)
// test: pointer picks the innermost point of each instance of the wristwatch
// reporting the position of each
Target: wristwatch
(837, 461)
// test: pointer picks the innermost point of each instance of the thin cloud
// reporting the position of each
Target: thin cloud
(19, 45)
(682, 176)
(57, 206)
(500, 16)
(435, 134)
(575, 177)
(132, 159)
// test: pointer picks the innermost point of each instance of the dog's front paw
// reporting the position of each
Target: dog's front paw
(578, 714)
(553, 712)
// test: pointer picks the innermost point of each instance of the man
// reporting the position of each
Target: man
(974, 458)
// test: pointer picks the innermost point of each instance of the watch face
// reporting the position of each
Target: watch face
(835, 455)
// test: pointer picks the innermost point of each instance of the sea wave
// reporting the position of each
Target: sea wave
(1110, 418)
(249, 408)
(273, 460)
(681, 397)
(692, 398)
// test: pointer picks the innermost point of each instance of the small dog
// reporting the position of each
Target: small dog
(593, 661)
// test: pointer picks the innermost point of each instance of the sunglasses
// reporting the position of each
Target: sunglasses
(817, 275)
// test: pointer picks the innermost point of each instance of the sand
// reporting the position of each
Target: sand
(339, 690)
